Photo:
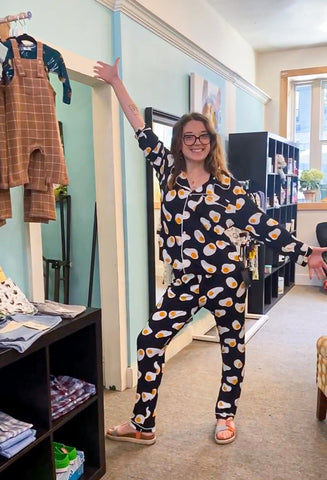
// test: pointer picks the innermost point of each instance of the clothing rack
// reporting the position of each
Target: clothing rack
(62, 265)
(14, 18)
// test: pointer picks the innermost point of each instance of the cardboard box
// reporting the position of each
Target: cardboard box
(75, 470)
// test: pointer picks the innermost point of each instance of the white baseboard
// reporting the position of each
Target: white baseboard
(199, 326)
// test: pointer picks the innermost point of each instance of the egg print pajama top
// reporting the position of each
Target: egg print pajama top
(206, 273)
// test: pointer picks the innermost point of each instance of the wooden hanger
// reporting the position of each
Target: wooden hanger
(2, 276)
(4, 31)
(24, 37)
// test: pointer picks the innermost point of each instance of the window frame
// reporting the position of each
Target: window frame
(286, 124)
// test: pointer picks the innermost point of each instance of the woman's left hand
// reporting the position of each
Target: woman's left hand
(316, 263)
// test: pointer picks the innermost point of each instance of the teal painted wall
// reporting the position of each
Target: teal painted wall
(13, 243)
(77, 26)
(81, 26)
(249, 113)
(77, 124)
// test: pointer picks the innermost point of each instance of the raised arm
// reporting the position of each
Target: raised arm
(109, 74)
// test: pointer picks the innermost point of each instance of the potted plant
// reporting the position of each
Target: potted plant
(309, 182)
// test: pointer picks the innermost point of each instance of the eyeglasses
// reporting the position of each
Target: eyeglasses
(190, 140)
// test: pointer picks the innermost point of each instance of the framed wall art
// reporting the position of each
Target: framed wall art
(205, 98)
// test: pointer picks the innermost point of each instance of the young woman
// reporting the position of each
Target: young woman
(200, 201)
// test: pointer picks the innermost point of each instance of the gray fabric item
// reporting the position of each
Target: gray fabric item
(55, 308)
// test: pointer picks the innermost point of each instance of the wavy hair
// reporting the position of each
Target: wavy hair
(215, 163)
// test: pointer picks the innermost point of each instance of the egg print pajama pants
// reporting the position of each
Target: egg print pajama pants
(224, 297)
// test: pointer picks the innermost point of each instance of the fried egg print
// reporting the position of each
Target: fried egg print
(209, 249)
(159, 315)
(183, 193)
(240, 307)
(239, 203)
(171, 241)
(199, 236)
(208, 267)
(177, 313)
(215, 216)
(213, 292)
(151, 352)
(238, 363)
(191, 252)
(228, 267)
(231, 282)
(255, 219)
(167, 215)
(146, 396)
(205, 223)
(146, 330)
(140, 354)
(274, 234)
(238, 190)
(163, 333)
(170, 195)
(226, 302)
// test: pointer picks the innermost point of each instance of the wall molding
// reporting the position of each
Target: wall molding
(152, 22)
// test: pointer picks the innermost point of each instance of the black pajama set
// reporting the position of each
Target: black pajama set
(207, 273)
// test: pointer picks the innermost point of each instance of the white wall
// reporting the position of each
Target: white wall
(269, 66)
(199, 22)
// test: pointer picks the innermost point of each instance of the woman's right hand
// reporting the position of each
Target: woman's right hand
(107, 73)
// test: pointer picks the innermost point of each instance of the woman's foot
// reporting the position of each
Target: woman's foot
(126, 433)
(225, 430)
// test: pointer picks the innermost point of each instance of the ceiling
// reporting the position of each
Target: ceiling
(269, 25)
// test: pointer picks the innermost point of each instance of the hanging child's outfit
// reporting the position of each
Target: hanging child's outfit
(34, 153)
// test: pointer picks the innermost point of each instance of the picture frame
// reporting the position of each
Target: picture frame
(205, 98)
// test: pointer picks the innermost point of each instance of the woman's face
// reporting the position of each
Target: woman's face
(196, 142)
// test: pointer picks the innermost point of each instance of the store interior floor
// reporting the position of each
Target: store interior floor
(278, 435)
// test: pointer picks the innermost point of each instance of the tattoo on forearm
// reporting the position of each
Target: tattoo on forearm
(133, 108)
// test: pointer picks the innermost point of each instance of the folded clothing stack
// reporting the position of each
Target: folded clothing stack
(68, 392)
(21, 330)
(14, 435)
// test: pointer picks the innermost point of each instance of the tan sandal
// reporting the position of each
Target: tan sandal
(222, 428)
(132, 437)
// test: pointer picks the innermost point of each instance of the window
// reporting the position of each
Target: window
(302, 124)
(309, 129)
(303, 119)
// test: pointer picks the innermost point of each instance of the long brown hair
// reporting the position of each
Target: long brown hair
(215, 163)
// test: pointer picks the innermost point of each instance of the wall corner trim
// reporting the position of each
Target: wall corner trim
(147, 19)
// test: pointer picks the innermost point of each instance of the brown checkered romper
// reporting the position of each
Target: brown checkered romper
(5, 205)
(35, 154)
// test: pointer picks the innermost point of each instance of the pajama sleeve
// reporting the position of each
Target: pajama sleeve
(246, 215)
(156, 153)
